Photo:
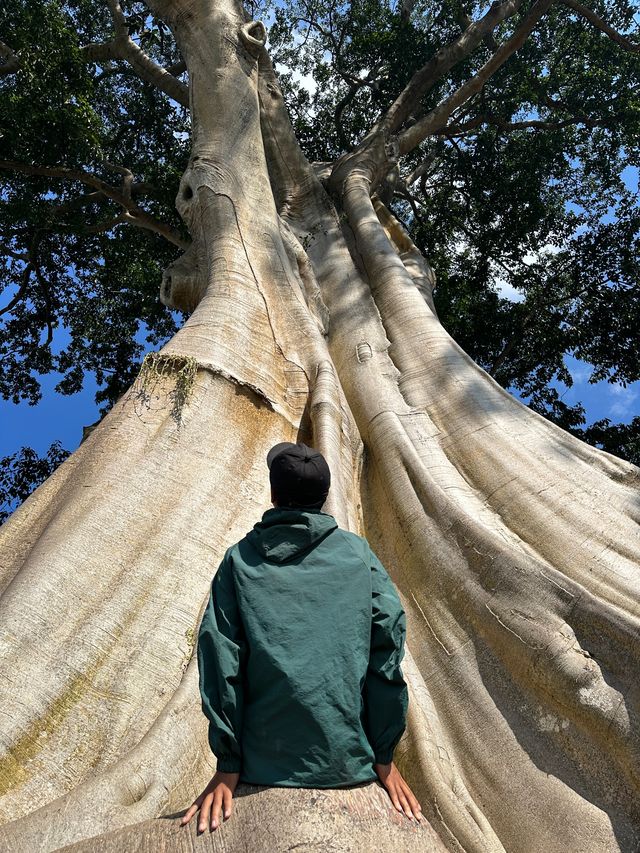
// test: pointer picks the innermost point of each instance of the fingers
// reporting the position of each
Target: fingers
(193, 808)
(210, 802)
(399, 800)
(205, 812)
(228, 804)
(416, 808)
(403, 797)
(217, 806)
(405, 803)
(189, 814)
(395, 800)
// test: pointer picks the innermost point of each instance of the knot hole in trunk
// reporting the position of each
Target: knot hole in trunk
(254, 37)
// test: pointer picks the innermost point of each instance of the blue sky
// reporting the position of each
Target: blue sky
(56, 416)
(62, 417)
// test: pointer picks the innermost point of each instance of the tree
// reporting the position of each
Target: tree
(309, 314)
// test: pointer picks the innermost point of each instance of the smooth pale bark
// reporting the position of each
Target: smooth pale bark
(358, 819)
(513, 545)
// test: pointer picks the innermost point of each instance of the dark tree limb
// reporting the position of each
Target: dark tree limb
(44, 286)
(355, 84)
(177, 68)
(342, 104)
(15, 255)
(123, 196)
(107, 225)
(508, 126)
(33, 266)
(601, 25)
(402, 192)
(406, 8)
(10, 60)
(26, 275)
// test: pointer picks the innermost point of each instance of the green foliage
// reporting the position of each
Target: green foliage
(49, 117)
(541, 210)
(22, 472)
(620, 439)
(88, 272)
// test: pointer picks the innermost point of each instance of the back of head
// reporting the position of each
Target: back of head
(299, 475)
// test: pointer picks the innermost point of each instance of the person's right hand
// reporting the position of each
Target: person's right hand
(401, 794)
(218, 793)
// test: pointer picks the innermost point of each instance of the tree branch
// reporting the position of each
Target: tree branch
(177, 68)
(107, 225)
(11, 59)
(597, 22)
(508, 126)
(123, 47)
(44, 286)
(406, 8)
(342, 104)
(26, 275)
(32, 265)
(16, 255)
(443, 61)
(465, 21)
(437, 117)
(355, 84)
(123, 197)
(404, 193)
(102, 52)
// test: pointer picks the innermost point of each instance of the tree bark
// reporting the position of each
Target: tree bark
(513, 545)
(359, 818)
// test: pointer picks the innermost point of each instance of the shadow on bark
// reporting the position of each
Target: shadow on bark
(563, 753)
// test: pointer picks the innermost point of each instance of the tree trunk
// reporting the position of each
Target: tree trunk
(358, 819)
(513, 545)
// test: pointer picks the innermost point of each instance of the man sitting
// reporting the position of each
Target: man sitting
(299, 652)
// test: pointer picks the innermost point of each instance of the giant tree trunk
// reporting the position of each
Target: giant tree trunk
(513, 545)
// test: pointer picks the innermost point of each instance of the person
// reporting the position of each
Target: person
(299, 652)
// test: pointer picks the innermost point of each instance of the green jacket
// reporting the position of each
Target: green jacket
(299, 655)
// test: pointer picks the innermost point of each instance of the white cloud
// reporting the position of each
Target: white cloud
(624, 400)
(507, 291)
(580, 374)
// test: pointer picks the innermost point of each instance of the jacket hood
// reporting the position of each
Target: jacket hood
(285, 533)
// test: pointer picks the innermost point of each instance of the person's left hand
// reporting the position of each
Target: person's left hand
(218, 793)
(401, 794)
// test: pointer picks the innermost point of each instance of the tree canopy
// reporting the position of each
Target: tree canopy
(525, 184)
(480, 150)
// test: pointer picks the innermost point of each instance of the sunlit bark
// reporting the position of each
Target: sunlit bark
(514, 546)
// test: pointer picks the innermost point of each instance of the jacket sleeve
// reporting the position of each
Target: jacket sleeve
(385, 692)
(222, 653)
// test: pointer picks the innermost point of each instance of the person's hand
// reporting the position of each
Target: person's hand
(218, 793)
(401, 794)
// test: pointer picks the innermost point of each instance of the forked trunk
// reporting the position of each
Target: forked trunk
(513, 545)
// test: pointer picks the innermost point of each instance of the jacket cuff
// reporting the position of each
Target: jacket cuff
(229, 765)
(385, 756)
